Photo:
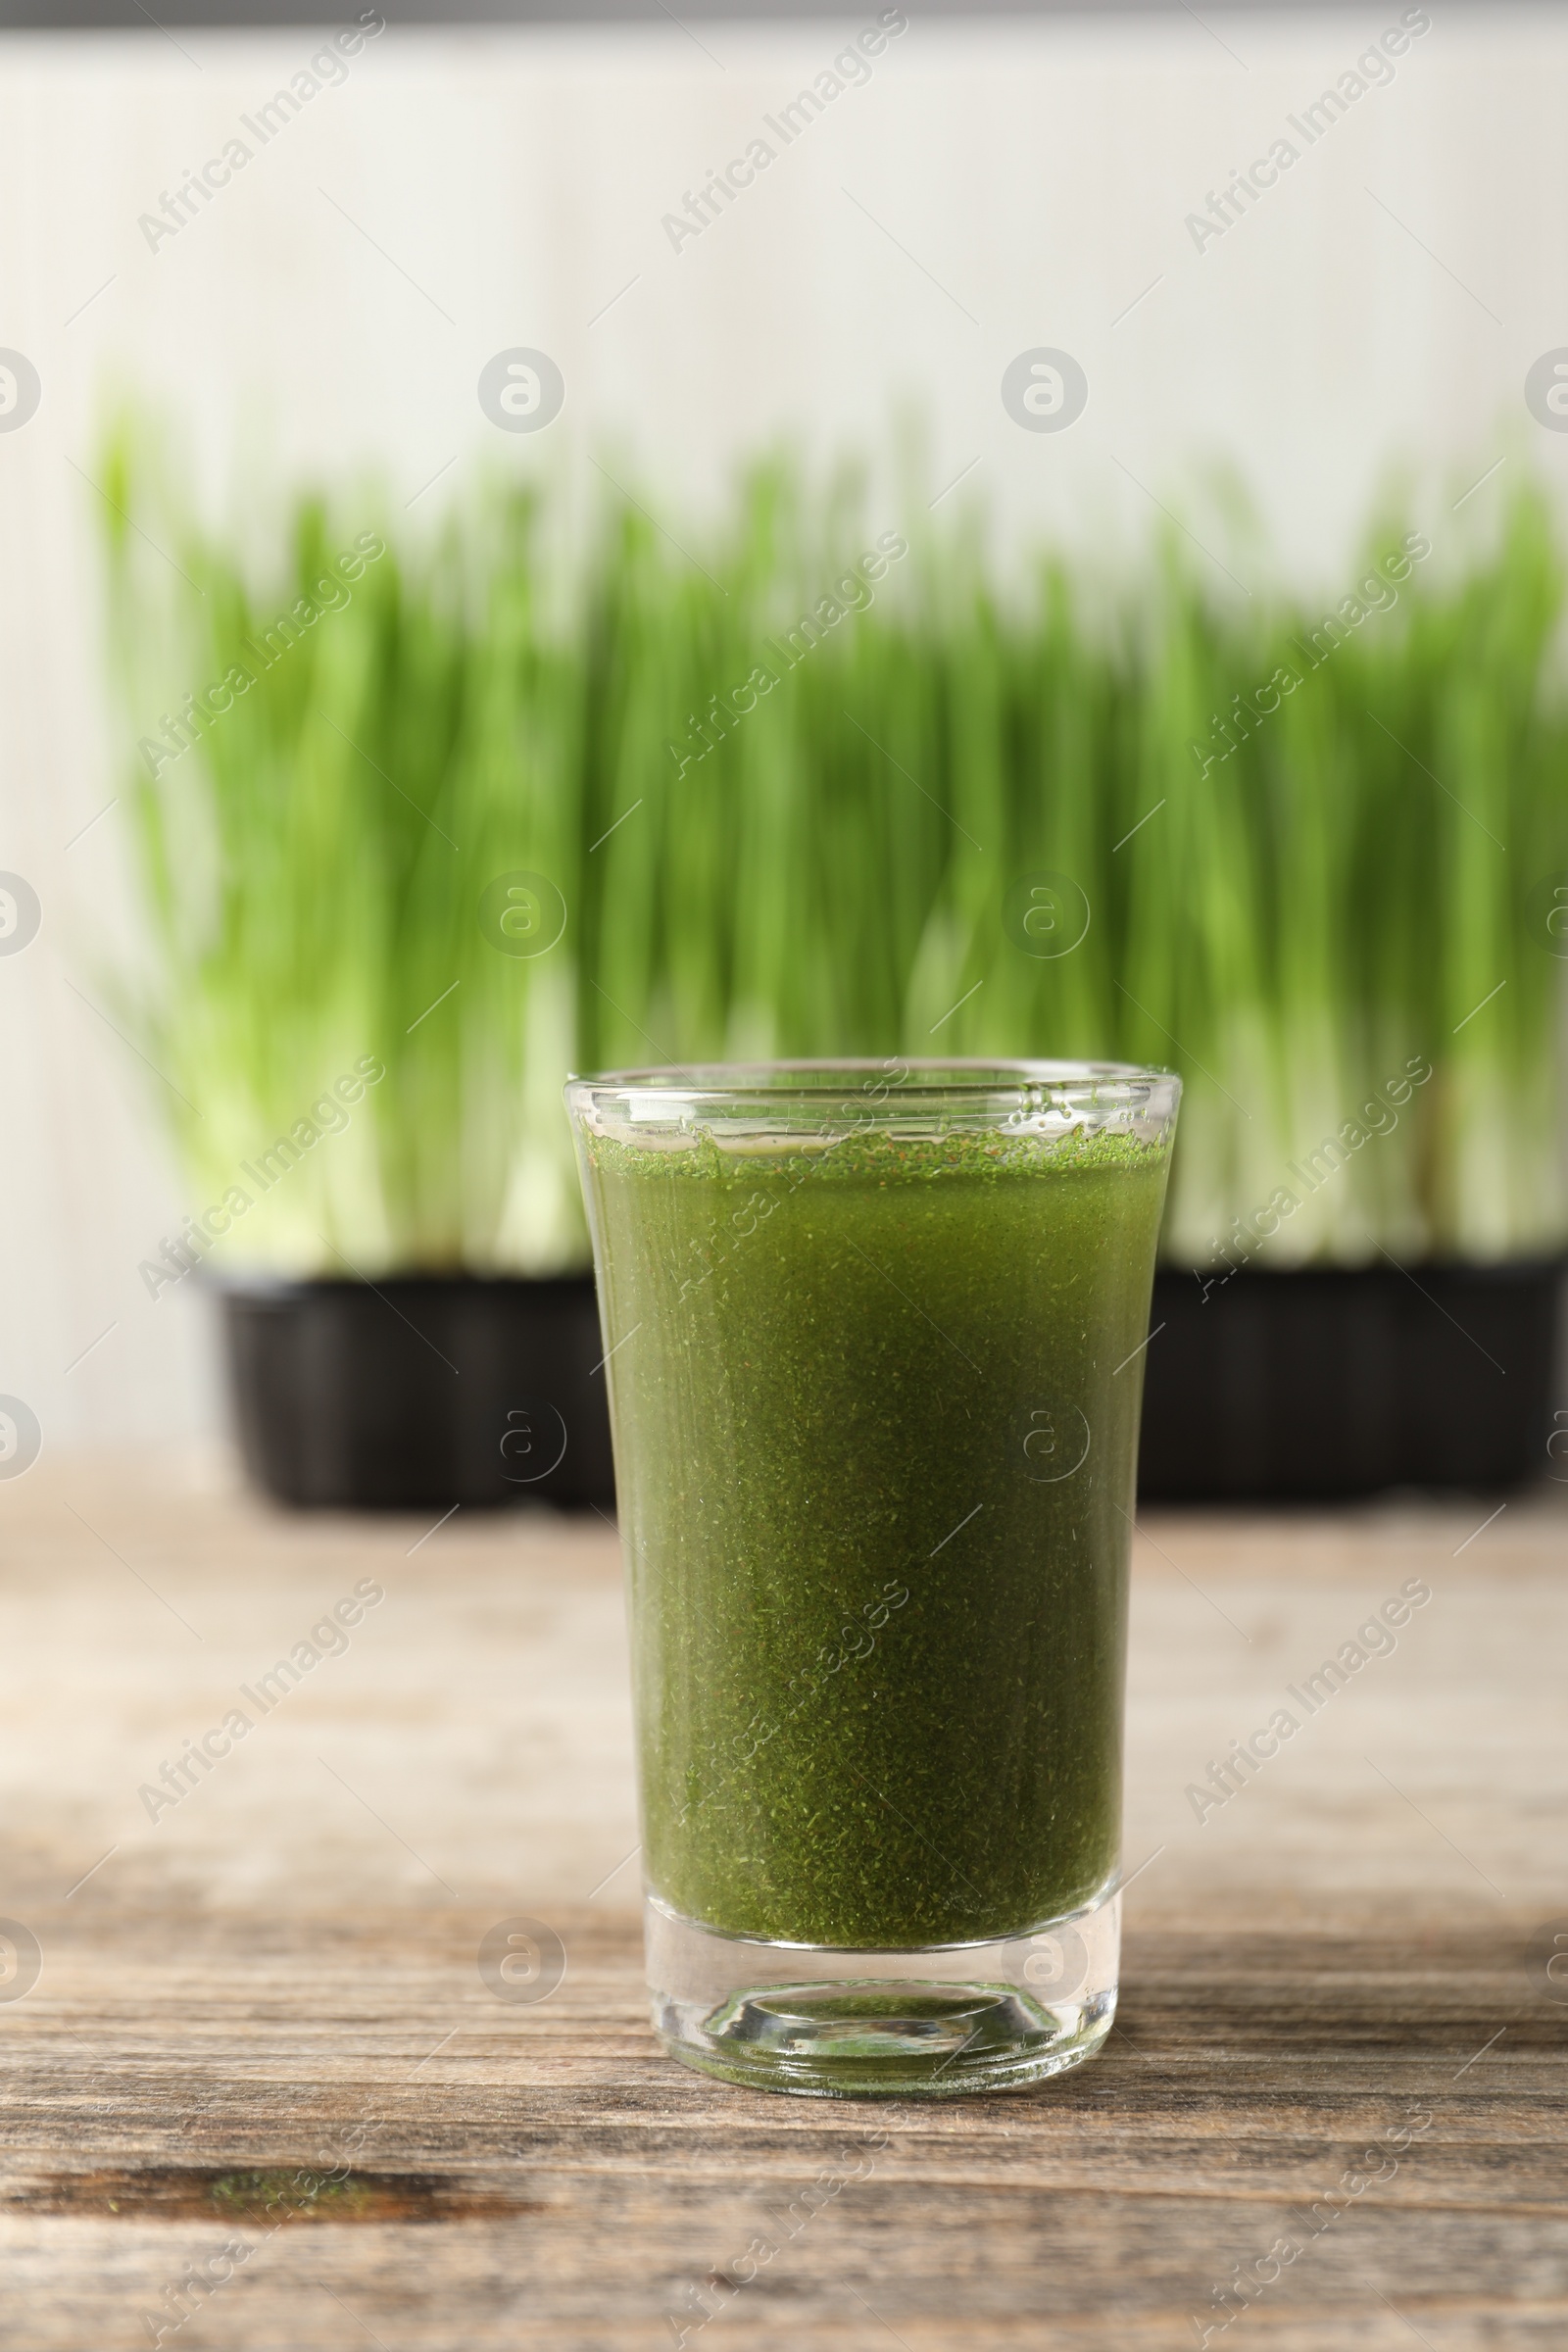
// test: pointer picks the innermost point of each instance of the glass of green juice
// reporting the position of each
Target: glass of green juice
(873, 1333)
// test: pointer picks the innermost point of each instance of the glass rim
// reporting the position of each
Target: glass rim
(918, 1079)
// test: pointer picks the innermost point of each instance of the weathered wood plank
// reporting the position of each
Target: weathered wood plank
(276, 1976)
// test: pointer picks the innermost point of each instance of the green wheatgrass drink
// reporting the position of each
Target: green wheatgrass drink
(874, 1352)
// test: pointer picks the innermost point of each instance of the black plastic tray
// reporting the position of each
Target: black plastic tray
(1322, 1383)
(420, 1393)
(1309, 1386)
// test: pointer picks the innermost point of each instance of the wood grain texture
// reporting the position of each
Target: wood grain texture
(260, 2023)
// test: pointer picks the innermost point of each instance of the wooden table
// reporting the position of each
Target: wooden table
(260, 2023)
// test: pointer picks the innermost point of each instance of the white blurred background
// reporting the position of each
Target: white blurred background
(989, 187)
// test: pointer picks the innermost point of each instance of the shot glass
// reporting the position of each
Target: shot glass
(873, 1336)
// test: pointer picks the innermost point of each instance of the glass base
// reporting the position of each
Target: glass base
(940, 2022)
